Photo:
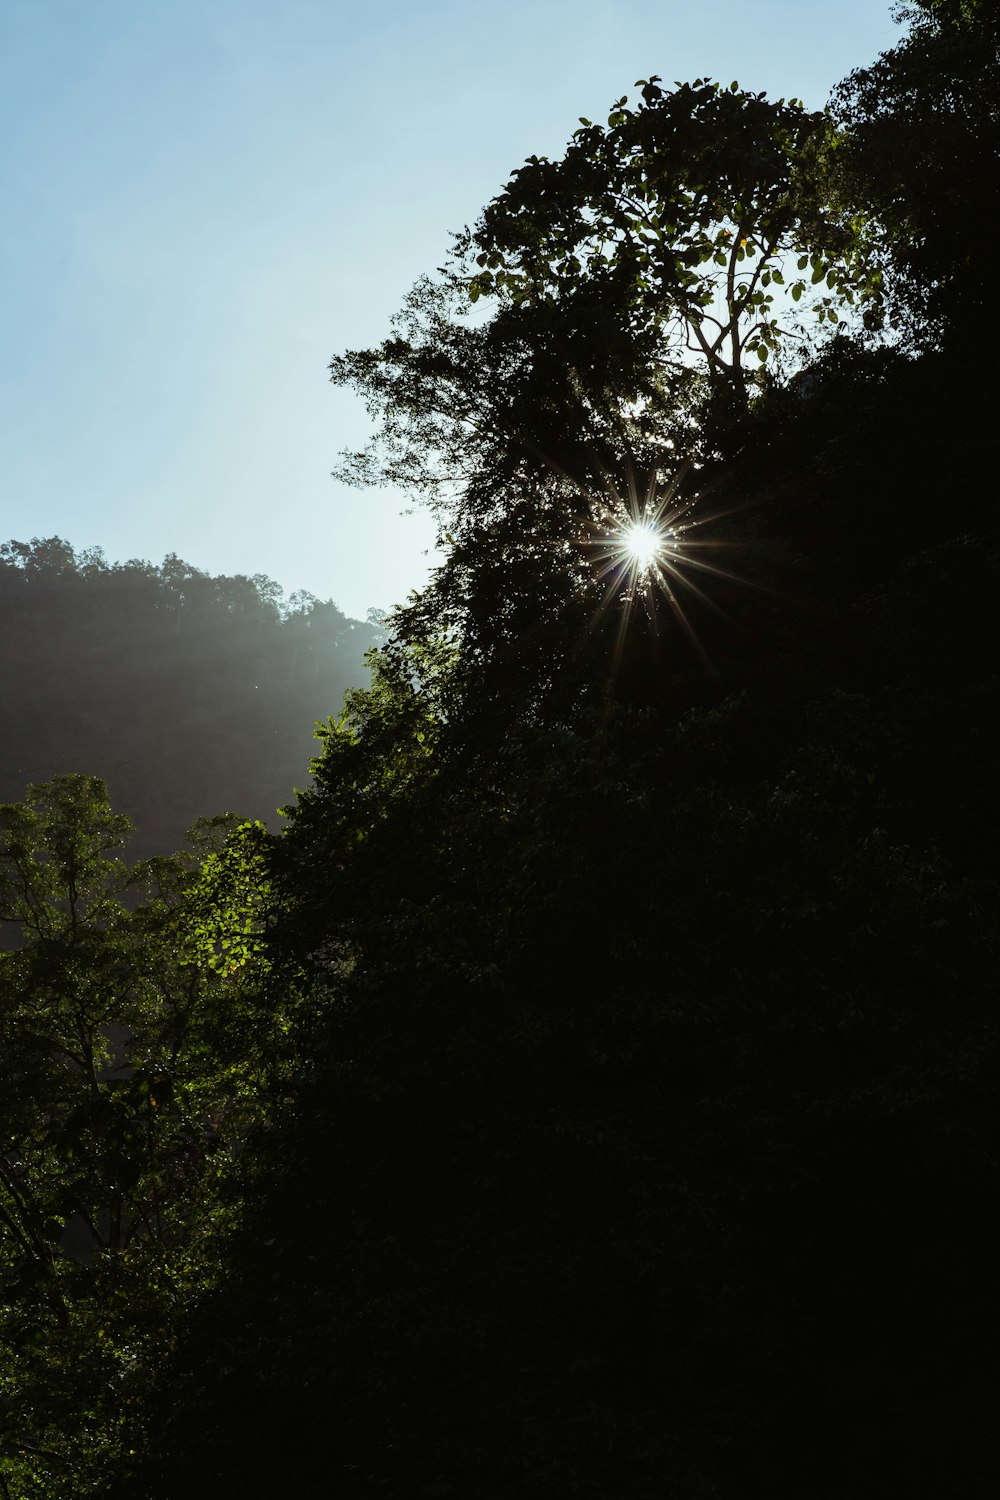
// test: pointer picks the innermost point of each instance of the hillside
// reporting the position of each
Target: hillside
(190, 695)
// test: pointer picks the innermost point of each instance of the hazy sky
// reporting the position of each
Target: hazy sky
(203, 200)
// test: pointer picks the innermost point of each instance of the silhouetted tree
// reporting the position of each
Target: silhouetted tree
(923, 157)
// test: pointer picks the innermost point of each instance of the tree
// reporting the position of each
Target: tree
(922, 160)
(135, 1062)
(628, 286)
(681, 214)
(668, 232)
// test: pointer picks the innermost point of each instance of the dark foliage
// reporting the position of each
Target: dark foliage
(647, 1148)
(924, 130)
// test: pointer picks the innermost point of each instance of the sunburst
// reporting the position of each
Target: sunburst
(645, 543)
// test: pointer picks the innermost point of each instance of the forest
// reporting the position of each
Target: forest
(590, 1087)
(107, 655)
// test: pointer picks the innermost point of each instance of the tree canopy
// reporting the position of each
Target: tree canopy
(923, 133)
(681, 214)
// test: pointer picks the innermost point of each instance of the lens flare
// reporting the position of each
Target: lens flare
(650, 543)
(639, 542)
(643, 544)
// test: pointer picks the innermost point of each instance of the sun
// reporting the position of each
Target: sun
(649, 543)
(652, 549)
(642, 543)
(639, 536)
(640, 547)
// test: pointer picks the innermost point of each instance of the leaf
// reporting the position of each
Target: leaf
(797, 291)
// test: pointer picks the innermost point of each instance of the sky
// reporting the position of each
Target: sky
(204, 200)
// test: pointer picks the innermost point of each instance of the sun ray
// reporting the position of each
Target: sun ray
(640, 547)
(642, 542)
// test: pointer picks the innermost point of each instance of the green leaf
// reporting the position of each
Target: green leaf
(797, 291)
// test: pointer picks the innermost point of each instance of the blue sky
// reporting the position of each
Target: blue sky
(203, 200)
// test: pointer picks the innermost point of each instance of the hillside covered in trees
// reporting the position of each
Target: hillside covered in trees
(188, 694)
(593, 1091)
